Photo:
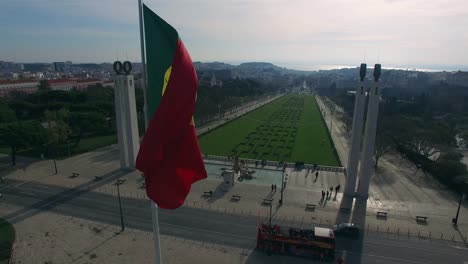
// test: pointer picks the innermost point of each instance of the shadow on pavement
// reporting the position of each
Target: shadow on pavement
(62, 197)
(344, 212)
(21, 163)
(383, 177)
(110, 155)
(218, 193)
(352, 214)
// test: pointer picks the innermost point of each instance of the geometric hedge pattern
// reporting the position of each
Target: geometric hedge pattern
(274, 138)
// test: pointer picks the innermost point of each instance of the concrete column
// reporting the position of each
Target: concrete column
(356, 135)
(133, 138)
(119, 86)
(127, 122)
(367, 160)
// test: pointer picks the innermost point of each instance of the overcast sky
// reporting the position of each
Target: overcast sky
(296, 33)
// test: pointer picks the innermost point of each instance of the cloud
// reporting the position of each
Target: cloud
(303, 30)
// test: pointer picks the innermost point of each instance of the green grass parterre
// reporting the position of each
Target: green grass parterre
(288, 129)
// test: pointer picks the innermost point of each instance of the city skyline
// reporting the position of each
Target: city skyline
(298, 34)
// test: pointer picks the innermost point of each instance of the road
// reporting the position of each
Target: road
(210, 226)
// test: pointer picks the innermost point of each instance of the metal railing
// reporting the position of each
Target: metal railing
(277, 164)
(315, 220)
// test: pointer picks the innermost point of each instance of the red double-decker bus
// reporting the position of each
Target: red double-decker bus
(315, 242)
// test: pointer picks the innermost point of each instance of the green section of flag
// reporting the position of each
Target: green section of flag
(160, 43)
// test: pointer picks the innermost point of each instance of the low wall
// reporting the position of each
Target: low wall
(276, 164)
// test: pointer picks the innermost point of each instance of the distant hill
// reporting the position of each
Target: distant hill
(246, 67)
(210, 66)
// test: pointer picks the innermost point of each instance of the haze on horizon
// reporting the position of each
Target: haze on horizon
(297, 34)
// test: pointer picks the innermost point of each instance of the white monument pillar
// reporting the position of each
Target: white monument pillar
(356, 135)
(367, 160)
(127, 122)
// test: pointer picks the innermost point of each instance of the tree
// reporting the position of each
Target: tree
(7, 114)
(58, 129)
(83, 123)
(383, 145)
(20, 135)
(428, 139)
(43, 85)
(384, 140)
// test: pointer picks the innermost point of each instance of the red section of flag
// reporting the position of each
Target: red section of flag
(169, 155)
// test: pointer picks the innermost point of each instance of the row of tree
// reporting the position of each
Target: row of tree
(213, 100)
(48, 120)
(422, 127)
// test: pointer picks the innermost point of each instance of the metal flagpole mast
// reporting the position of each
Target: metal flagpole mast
(154, 207)
(143, 62)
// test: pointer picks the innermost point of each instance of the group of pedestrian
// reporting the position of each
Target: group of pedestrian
(273, 188)
(328, 194)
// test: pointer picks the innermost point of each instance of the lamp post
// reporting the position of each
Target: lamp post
(455, 220)
(269, 220)
(282, 184)
(118, 183)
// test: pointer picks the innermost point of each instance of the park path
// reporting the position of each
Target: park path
(237, 113)
(339, 135)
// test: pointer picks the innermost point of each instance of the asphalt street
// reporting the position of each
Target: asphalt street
(210, 226)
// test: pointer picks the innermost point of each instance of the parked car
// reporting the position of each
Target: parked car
(346, 229)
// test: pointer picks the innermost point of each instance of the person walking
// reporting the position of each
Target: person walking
(337, 188)
(331, 189)
(323, 194)
(316, 175)
(272, 187)
(327, 194)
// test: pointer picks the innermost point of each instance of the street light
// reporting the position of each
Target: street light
(282, 184)
(462, 197)
(269, 220)
(118, 183)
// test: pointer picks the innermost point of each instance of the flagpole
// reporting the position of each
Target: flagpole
(143, 62)
(154, 206)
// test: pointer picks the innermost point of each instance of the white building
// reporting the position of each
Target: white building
(26, 86)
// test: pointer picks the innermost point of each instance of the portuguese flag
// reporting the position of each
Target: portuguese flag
(169, 155)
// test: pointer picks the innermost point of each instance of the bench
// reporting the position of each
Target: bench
(97, 178)
(236, 197)
(421, 219)
(74, 175)
(208, 194)
(267, 201)
(310, 206)
(382, 214)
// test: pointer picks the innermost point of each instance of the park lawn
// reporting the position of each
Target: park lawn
(7, 237)
(223, 139)
(289, 129)
(313, 144)
(92, 143)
